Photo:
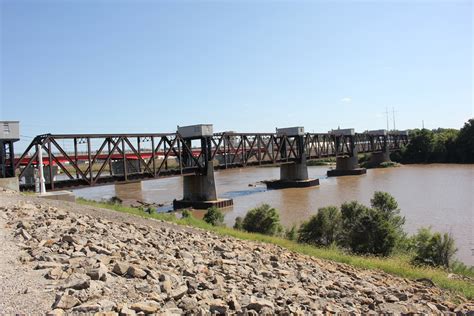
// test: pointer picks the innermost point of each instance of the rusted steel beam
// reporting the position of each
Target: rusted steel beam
(65, 155)
(236, 150)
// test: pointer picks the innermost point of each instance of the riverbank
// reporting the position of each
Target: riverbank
(86, 258)
(396, 265)
(445, 205)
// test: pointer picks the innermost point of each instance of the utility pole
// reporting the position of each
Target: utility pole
(393, 112)
(386, 114)
(423, 124)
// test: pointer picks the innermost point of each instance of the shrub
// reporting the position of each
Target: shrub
(434, 249)
(238, 223)
(186, 213)
(214, 216)
(388, 207)
(291, 234)
(389, 164)
(322, 229)
(459, 267)
(372, 234)
(375, 230)
(263, 219)
(115, 201)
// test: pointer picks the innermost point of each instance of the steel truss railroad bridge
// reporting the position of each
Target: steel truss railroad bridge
(98, 159)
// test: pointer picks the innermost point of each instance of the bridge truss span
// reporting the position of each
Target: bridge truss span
(74, 160)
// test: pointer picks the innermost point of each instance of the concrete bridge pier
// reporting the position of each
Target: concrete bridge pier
(377, 158)
(199, 190)
(294, 174)
(347, 164)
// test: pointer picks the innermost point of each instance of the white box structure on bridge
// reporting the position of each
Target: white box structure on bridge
(196, 131)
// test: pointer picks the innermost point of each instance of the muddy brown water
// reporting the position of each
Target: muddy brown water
(437, 195)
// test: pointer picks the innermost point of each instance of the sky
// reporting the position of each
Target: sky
(248, 66)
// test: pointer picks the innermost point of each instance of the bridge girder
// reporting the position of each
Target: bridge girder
(89, 159)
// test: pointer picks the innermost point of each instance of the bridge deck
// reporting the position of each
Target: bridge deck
(97, 159)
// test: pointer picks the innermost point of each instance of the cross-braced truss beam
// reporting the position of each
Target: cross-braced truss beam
(95, 159)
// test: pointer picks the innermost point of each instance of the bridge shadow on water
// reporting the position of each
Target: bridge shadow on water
(235, 194)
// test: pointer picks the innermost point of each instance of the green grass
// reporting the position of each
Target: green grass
(321, 162)
(397, 265)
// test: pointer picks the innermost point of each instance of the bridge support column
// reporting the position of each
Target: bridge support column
(294, 174)
(377, 158)
(348, 164)
(199, 190)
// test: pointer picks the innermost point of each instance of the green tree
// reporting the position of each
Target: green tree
(465, 143)
(322, 229)
(214, 216)
(444, 145)
(375, 230)
(420, 147)
(292, 233)
(434, 249)
(388, 207)
(263, 219)
(372, 234)
(238, 223)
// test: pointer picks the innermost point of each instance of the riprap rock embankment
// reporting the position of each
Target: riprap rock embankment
(73, 258)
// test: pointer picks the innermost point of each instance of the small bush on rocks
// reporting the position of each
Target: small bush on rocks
(214, 217)
(264, 220)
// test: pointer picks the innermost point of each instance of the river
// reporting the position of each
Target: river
(437, 195)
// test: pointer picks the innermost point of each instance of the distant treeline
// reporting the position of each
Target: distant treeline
(440, 145)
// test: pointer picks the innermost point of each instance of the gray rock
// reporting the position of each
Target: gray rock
(87, 308)
(147, 307)
(77, 281)
(234, 303)
(56, 312)
(66, 301)
(125, 311)
(188, 304)
(392, 308)
(391, 298)
(257, 304)
(121, 268)
(55, 273)
(99, 273)
(106, 305)
(218, 306)
(166, 286)
(136, 272)
(25, 234)
(179, 292)
(100, 250)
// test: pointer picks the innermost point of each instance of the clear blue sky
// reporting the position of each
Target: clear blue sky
(133, 66)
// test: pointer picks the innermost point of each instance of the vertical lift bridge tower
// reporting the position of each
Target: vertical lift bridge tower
(9, 133)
